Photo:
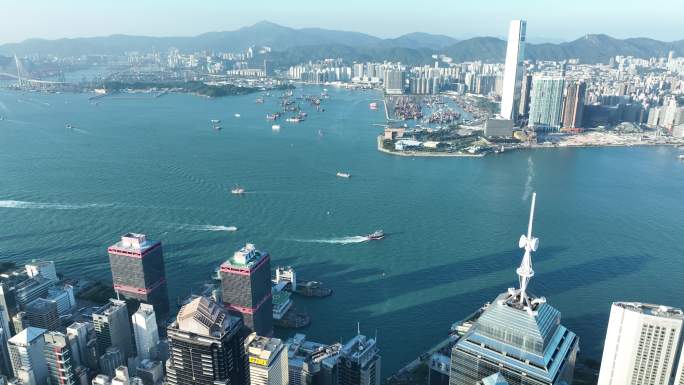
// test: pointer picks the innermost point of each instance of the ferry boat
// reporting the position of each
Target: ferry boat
(343, 174)
(293, 120)
(275, 127)
(272, 116)
(376, 235)
(373, 106)
(237, 190)
(231, 228)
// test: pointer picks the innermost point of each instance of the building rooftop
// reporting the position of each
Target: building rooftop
(247, 257)
(40, 305)
(202, 316)
(27, 336)
(133, 243)
(651, 309)
(111, 306)
(360, 349)
(263, 347)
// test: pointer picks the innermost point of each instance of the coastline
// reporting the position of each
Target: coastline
(530, 147)
(425, 154)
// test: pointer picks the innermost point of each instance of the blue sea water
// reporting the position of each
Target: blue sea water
(609, 219)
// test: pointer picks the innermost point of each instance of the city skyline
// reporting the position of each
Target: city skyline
(77, 18)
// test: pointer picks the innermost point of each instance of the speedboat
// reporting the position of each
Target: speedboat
(343, 174)
(376, 235)
(237, 115)
(237, 190)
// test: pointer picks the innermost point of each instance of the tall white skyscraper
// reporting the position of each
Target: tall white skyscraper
(641, 344)
(145, 330)
(513, 72)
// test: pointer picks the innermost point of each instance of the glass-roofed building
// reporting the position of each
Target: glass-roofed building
(518, 339)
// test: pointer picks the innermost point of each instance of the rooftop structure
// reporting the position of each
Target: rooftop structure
(267, 360)
(359, 362)
(518, 335)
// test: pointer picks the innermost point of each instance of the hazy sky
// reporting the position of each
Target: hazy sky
(550, 19)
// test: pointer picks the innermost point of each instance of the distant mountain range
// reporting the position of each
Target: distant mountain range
(292, 46)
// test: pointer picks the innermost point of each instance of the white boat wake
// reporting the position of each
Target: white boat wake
(12, 204)
(340, 240)
(208, 228)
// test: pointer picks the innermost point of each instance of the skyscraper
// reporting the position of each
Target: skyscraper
(573, 108)
(59, 359)
(641, 344)
(513, 71)
(246, 288)
(5, 362)
(518, 336)
(83, 343)
(112, 328)
(45, 269)
(145, 331)
(547, 103)
(359, 362)
(267, 360)
(206, 345)
(525, 91)
(138, 271)
(26, 353)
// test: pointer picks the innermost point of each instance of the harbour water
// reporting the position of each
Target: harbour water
(609, 219)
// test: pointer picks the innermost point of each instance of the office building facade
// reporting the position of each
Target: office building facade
(246, 288)
(26, 354)
(138, 271)
(206, 346)
(112, 328)
(60, 363)
(145, 331)
(359, 362)
(573, 107)
(267, 359)
(641, 344)
(513, 70)
(547, 103)
(42, 313)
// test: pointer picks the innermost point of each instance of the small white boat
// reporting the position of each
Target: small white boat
(231, 228)
(237, 115)
(343, 174)
(275, 127)
(681, 157)
(237, 190)
(215, 121)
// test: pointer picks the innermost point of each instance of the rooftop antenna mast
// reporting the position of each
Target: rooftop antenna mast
(525, 271)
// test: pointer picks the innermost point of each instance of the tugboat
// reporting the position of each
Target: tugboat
(376, 235)
(237, 190)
